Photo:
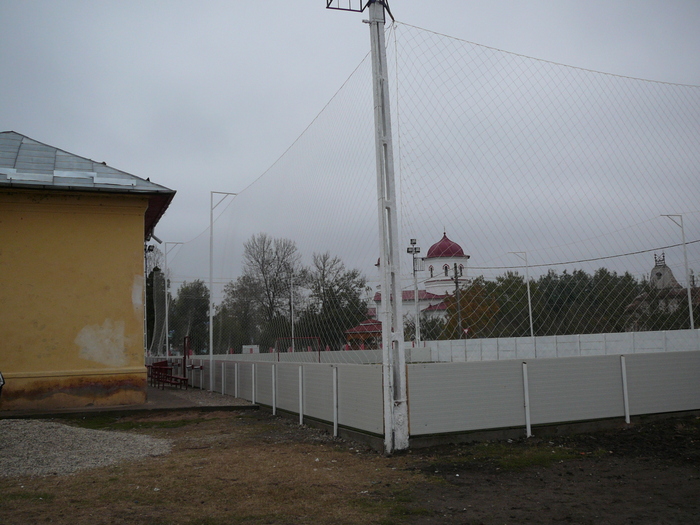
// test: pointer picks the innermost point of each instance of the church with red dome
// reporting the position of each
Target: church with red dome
(436, 280)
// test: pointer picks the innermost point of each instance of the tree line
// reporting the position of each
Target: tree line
(277, 297)
(562, 304)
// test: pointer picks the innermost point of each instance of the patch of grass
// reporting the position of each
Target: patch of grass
(508, 456)
(390, 507)
(38, 497)
(533, 456)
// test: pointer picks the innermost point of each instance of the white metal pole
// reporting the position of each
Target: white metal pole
(301, 394)
(291, 305)
(526, 394)
(394, 370)
(625, 393)
(416, 299)
(687, 273)
(335, 401)
(529, 297)
(167, 298)
(274, 390)
(211, 279)
(687, 276)
(167, 302)
(523, 256)
(211, 290)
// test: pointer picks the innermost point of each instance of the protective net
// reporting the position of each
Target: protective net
(546, 199)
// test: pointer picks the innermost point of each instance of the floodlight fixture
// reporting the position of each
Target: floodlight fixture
(358, 6)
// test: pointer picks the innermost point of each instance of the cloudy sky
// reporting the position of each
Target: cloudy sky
(202, 96)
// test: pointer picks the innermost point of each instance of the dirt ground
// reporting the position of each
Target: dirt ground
(254, 468)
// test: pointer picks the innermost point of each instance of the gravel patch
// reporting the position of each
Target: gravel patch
(39, 448)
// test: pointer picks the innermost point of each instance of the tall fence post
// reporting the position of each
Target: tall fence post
(526, 393)
(274, 390)
(253, 383)
(335, 401)
(625, 395)
(301, 394)
(235, 380)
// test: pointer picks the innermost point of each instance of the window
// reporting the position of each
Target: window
(447, 270)
(461, 270)
(431, 270)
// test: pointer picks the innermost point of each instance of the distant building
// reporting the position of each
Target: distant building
(72, 277)
(439, 263)
(666, 296)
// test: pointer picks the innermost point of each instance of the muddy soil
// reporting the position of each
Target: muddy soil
(645, 473)
(252, 467)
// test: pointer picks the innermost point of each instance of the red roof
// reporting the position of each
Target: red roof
(369, 326)
(436, 307)
(445, 248)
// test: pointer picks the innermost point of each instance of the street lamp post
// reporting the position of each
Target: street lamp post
(212, 206)
(685, 258)
(167, 295)
(413, 250)
(523, 256)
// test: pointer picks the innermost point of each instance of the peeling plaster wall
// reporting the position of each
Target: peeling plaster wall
(71, 299)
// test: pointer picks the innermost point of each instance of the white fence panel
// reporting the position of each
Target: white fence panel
(592, 344)
(318, 391)
(418, 355)
(575, 389)
(298, 357)
(245, 376)
(229, 383)
(666, 382)
(525, 348)
(360, 404)
(444, 351)
(288, 387)
(507, 348)
(458, 351)
(649, 342)
(682, 340)
(567, 345)
(473, 347)
(620, 343)
(489, 349)
(263, 383)
(465, 396)
(546, 347)
(352, 356)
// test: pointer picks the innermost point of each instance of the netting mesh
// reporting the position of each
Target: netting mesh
(532, 168)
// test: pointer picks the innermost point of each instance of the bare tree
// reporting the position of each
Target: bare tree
(269, 263)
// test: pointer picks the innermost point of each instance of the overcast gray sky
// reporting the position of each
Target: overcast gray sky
(202, 96)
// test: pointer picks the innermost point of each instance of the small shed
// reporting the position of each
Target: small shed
(71, 277)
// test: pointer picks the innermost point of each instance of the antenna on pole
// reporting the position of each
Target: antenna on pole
(391, 309)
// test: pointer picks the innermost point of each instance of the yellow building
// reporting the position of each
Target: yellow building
(71, 277)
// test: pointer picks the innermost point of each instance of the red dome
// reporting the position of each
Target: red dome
(445, 248)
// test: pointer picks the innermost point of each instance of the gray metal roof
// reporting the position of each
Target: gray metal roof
(26, 163)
